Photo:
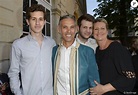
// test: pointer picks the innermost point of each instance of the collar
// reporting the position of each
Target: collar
(73, 45)
(88, 41)
(30, 37)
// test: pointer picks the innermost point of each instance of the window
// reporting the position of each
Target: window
(48, 22)
(48, 1)
(25, 5)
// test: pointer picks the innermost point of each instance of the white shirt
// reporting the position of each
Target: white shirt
(90, 42)
(63, 78)
(34, 63)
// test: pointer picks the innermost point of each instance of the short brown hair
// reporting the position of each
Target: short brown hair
(33, 8)
(86, 17)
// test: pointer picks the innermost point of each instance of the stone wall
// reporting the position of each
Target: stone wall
(10, 28)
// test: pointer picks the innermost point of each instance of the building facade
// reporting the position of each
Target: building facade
(13, 25)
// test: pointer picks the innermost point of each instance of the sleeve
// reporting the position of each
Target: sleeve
(14, 70)
(93, 69)
(126, 76)
(135, 64)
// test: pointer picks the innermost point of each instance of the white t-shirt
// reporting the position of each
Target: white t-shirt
(90, 42)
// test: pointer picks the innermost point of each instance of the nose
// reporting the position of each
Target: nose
(89, 30)
(37, 21)
(68, 30)
(98, 30)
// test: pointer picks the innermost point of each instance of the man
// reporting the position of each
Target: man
(85, 25)
(31, 56)
(74, 64)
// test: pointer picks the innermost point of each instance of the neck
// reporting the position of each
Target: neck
(104, 44)
(68, 44)
(38, 37)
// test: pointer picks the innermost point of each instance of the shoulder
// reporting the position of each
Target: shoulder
(92, 40)
(50, 40)
(86, 52)
(20, 41)
(85, 48)
(117, 45)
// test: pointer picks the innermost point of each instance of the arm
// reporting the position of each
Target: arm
(126, 78)
(108, 87)
(93, 69)
(14, 70)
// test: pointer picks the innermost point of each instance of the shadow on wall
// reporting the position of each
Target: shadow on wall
(5, 55)
(4, 60)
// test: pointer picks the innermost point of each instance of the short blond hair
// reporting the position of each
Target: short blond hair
(101, 20)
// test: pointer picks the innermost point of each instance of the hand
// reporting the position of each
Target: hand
(3, 87)
(97, 90)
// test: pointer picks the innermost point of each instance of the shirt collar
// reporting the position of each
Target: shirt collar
(30, 37)
(73, 45)
(88, 41)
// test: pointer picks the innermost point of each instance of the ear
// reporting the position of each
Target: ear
(27, 21)
(77, 28)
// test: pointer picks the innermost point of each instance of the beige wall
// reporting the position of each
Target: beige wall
(10, 28)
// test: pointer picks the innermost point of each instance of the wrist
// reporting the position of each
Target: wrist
(108, 87)
(105, 89)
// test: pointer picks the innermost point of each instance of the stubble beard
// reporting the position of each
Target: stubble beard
(83, 37)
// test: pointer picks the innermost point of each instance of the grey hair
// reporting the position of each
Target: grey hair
(67, 16)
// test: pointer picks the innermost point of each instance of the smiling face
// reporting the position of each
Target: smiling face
(67, 29)
(36, 21)
(100, 31)
(85, 30)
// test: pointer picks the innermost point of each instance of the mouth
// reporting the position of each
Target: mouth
(37, 27)
(88, 34)
(68, 35)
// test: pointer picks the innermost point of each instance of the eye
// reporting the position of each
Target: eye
(102, 28)
(41, 19)
(96, 29)
(72, 27)
(84, 27)
(64, 27)
(90, 27)
(33, 19)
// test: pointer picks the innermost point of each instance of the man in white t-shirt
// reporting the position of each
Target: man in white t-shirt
(84, 36)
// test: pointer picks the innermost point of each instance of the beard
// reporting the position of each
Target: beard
(83, 36)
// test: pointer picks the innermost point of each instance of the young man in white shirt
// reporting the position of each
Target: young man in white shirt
(84, 35)
(31, 56)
